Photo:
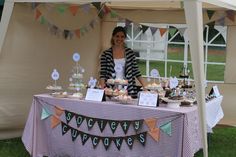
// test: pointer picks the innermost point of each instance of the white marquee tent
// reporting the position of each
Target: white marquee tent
(194, 20)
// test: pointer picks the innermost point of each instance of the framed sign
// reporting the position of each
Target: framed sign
(148, 99)
(94, 94)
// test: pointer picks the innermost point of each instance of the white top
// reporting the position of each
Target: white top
(119, 68)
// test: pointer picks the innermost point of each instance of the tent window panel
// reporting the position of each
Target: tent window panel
(152, 53)
(216, 54)
(175, 52)
(215, 72)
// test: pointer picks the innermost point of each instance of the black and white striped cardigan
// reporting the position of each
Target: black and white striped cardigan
(131, 68)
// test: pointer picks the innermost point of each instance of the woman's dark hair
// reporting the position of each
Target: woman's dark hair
(116, 30)
(119, 29)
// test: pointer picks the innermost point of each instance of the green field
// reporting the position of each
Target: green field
(214, 72)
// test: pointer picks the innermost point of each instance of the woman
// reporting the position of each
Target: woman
(119, 62)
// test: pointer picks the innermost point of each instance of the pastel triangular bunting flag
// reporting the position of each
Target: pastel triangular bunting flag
(86, 7)
(172, 31)
(113, 14)
(58, 111)
(127, 22)
(42, 20)
(73, 9)
(153, 30)
(45, 113)
(230, 14)
(155, 134)
(181, 31)
(106, 9)
(162, 31)
(61, 8)
(37, 14)
(54, 121)
(77, 33)
(166, 128)
(151, 123)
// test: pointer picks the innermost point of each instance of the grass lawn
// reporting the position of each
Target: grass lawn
(221, 144)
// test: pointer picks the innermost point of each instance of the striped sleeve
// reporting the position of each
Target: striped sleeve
(103, 66)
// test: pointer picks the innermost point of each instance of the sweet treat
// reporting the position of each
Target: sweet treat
(123, 92)
(77, 95)
(124, 98)
(116, 92)
(118, 81)
(108, 91)
(176, 98)
(111, 81)
(124, 82)
(54, 87)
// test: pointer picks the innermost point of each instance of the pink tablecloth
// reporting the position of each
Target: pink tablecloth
(41, 140)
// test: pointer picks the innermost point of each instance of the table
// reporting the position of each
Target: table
(42, 140)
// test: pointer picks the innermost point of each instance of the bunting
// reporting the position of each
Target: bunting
(106, 141)
(45, 113)
(172, 31)
(103, 9)
(230, 14)
(162, 31)
(210, 13)
(166, 128)
(73, 9)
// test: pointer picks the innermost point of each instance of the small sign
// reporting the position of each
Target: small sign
(148, 99)
(216, 91)
(154, 73)
(76, 57)
(173, 82)
(94, 94)
(55, 75)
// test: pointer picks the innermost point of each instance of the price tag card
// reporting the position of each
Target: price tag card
(148, 99)
(94, 94)
(216, 91)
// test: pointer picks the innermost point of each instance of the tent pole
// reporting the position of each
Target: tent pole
(6, 15)
(194, 20)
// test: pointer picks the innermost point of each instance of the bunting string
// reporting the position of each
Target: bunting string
(103, 9)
